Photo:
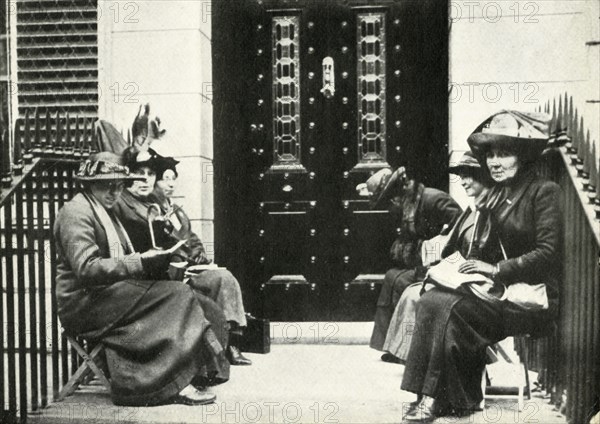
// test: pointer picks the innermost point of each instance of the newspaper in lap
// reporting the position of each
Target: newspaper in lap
(445, 274)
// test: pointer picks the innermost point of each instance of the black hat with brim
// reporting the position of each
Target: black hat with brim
(136, 159)
(164, 164)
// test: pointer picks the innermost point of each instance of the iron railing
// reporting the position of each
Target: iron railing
(568, 361)
(38, 178)
(35, 360)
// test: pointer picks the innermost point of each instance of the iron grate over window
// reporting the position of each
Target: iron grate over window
(57, 57)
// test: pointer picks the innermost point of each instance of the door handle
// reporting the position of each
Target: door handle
(328, 89)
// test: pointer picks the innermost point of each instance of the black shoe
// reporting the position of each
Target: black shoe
(388, 357)
(412, 406)
(424, 411)
(235, 357)
(192, 396)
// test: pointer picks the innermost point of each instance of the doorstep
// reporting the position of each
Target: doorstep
(321, 333)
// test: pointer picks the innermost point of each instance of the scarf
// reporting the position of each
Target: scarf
(494, 206)
(116, 247)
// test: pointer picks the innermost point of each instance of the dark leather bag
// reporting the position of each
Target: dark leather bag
(257, 335)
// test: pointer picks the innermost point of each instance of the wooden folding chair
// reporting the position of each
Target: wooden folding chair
(517, 391)
(88, 369)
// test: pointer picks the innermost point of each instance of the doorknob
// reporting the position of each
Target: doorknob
(328, 89)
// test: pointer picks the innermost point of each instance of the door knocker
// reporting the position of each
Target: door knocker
(328, 89)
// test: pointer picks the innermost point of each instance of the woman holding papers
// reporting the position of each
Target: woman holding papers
(150, 197)
(461, 238)
(160, 346)
(453, 328)
(217, 283)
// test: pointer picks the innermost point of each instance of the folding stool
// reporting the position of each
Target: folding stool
(88, 368)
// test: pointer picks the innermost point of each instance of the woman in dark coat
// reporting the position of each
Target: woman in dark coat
(447, 353)
(158, 340)
(422, 212)
(132, 209)
(462, 238)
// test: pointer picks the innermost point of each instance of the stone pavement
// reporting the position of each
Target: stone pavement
(295, 383)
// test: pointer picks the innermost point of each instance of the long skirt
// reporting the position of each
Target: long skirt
(163, 343)
(402, 324)
(448, 349)
(394, 283)
(222, 287)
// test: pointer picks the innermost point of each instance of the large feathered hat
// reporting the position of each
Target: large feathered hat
(145, 129)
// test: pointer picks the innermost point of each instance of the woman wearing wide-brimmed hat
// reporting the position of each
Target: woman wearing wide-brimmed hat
(421, 213)
(447, 354)
(461, 237)
(158, 339)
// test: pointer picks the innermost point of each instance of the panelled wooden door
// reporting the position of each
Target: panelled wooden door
(311, 98)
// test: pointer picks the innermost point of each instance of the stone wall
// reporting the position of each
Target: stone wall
(159, 52)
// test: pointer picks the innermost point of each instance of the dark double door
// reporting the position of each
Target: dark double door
(311, 98)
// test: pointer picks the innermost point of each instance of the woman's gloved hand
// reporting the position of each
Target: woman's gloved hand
(155, 260)
(201, 259)
(474, 266)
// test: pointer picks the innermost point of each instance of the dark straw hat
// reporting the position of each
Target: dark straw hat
(105, 166)
(466, 162)
(525, 133)
(383, 185)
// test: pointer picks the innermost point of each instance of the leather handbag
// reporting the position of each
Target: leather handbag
(257, 335)
(527, 296)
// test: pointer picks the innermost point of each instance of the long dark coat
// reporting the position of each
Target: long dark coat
(156, 333)
(133, 214)
(219, 285)
(447, 354)
(434, 210)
